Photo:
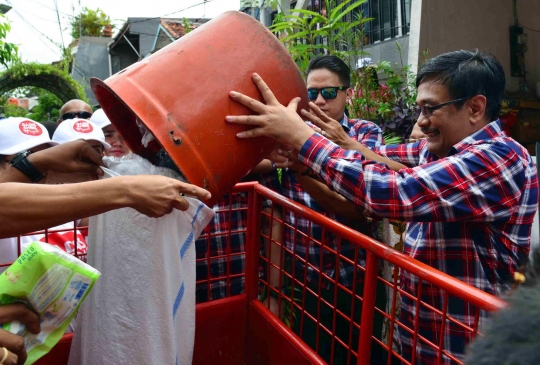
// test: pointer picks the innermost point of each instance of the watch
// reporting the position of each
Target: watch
(21, 163)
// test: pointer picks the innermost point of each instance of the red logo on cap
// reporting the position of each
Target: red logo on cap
(30, 128)
(82, 126)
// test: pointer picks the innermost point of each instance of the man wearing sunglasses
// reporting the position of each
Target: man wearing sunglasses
(328, 84)
(469, 192)
(75, 109)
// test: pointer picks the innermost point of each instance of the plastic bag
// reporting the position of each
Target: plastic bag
(53, 284)
(132, 164)
(143, 310)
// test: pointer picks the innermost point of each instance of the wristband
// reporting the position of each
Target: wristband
(21, 163)
(307, 172)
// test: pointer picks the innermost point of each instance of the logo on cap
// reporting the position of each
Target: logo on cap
(30, 128)
(83, 126)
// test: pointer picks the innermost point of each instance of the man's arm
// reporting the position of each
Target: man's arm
(464, 187)
(31, 207)
(331, 201)
(483, 183)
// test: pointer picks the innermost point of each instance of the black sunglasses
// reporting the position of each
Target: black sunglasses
(73, 115)
(326, 92)
(427, 111)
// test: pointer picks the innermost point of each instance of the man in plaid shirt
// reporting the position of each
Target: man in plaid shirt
(323, 72)
(328, 81)
(469, 191)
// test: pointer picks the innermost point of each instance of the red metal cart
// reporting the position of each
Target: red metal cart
(241, 329)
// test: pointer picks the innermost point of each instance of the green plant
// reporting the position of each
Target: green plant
(306, 33)
(48, 107)
(8, 51)
(90, 23)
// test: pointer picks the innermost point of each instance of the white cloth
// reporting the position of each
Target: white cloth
(142, 310)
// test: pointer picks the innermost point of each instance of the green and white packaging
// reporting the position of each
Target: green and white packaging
(53, 284)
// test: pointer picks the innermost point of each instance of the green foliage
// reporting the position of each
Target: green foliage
(312, 33)
(10, 110)
(20, 71)
(90, 23)
(48, 107)
(306, 34)
(187, 25)
(8, 51)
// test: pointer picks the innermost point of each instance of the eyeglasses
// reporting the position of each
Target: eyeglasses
(73, 115)
(327, 92)
(427, 111)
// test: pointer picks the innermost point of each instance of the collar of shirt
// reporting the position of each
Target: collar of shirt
(490, 131)
(346, 124)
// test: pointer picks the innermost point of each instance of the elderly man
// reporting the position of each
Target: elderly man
(75, 108)
(469, 192)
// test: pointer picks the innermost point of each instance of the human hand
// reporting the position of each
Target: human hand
(330, 128)
(12, 343)
(71, 157)
(276, 121)
(155, 196)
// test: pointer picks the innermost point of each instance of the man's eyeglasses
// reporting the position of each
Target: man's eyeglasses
(427, 111)
(327, 92)
(73, 115)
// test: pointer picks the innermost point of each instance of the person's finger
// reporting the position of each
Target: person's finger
(267, 94)
(89, 154)
(319, 113)
(11, 358)
(15, 345)
(276, 157)
(313, 119)
(245, 100)
(21, 313)
(254, 120)
(252, 133)
(193, 190)
(181, 204)
(293, 104)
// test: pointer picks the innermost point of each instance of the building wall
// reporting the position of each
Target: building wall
(147, 30)
(388, 50)
(482, 24)
(91, 60)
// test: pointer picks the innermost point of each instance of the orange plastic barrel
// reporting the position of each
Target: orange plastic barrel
(181, 95)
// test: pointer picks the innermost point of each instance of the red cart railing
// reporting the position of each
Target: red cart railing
(242, 329)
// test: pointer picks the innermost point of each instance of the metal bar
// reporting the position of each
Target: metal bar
(252, 247)
(137, 52)
(368, 308)
(444, 281)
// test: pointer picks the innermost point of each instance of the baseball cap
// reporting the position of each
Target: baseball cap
(363, 62)
(100, 118)
(18, 134)
(73, 129)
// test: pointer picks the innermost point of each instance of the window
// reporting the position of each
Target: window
(391, 19)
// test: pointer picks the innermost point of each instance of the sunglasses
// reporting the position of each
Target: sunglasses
(427, 111)
(327, 93)
(73, 115)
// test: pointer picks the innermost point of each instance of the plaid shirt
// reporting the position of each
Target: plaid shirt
(230, 220)
(368, 134)
(470, 214)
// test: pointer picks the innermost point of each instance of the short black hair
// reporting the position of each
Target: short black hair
(467, 74)
(333, 64)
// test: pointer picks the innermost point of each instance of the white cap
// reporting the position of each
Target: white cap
(363, 62)
(100, 118)
(73, 129)
(20, 134)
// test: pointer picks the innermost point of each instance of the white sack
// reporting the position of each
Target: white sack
(142, 311)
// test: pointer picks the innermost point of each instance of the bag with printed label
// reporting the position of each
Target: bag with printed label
(53, 284)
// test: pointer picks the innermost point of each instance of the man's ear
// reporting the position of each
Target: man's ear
(350, 93)
(477, 109)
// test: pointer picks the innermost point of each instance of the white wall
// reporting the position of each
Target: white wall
(483, 24)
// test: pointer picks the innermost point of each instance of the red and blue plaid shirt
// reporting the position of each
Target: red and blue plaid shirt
(470, 216)
(368, 134)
